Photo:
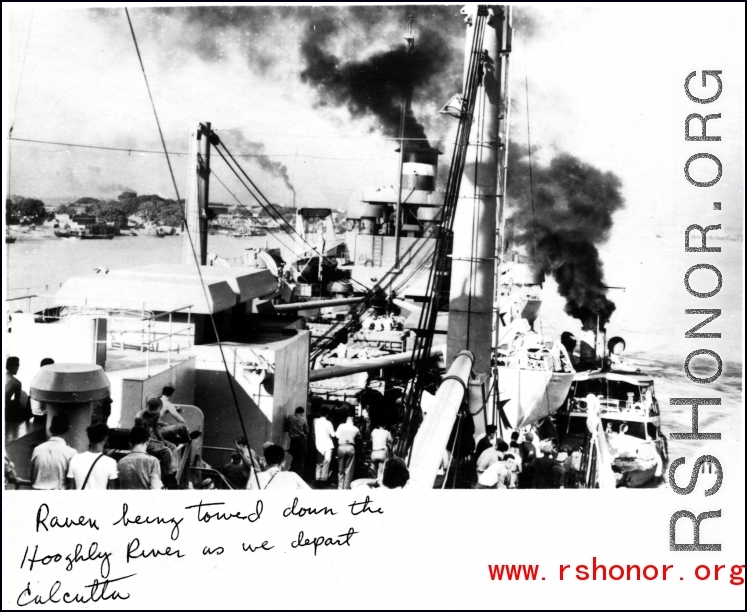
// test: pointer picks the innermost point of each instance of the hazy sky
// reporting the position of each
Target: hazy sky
(605, 84)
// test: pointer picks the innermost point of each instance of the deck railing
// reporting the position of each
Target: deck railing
(151, 339)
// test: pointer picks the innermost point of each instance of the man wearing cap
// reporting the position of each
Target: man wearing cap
(161, 449)
(51, 460)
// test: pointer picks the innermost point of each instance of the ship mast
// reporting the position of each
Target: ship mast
(473, 256)
(500, 228)
(198, 193)
(469, 338)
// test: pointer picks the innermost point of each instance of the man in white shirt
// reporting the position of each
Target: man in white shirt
(381, 439)
(51, 460)
(498, 475)
(93, 470)
(274, 477)
(490, 456)
(347, 435)
(323, 434)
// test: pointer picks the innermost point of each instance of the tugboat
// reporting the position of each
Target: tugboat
(623, 398)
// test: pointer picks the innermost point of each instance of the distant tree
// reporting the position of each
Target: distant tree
(61, 210)
(112, 214)
(83, 201)
(126, 195)
(26, 207)
(129, 207)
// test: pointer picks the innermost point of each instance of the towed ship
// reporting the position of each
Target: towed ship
(348, 317)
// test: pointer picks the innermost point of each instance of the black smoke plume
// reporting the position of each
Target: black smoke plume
(376, 85)
(338, 50)
(573, 207)
(244, 149)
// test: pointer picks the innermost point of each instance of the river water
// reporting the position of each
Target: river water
(44, 264)
(650, 310)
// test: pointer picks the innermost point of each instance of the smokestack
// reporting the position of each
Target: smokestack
(419, 167)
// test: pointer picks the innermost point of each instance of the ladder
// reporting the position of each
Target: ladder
(377, 250)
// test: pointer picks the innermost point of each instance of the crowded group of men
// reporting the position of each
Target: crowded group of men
(149, 458)
(525, 462)
(55, 465)
(149, 463)
(345, 442)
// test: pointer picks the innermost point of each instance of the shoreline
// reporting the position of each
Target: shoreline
(48, 234)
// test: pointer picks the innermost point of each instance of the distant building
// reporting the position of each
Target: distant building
(84, 220)
(220, 209)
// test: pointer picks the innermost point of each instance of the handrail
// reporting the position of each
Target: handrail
(213, 471)
(186, 452)
(20, 482)
(148, 336)
(168, 312)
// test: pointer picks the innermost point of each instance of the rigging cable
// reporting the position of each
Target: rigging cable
(191, 242)
(500, 251)
(180, 153)
(363, 38)
(244, 207)
(265, 203)
(13, 119)
(529, 150)
(20, 78)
